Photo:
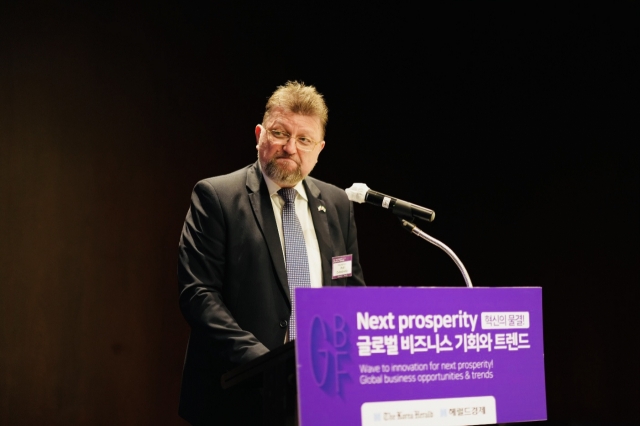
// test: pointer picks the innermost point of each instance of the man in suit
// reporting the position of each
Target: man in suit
(234, 259)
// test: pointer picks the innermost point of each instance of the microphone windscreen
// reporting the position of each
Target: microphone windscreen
(357, 193)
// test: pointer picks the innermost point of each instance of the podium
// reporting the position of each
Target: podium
(406, 356)
(273, 372)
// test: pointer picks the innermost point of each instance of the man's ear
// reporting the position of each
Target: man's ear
(258, 132)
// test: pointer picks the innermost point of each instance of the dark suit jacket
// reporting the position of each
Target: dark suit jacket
(233, 281)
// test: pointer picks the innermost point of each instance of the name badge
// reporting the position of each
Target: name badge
(341, 266)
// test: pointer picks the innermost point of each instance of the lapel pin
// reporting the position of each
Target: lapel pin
(322, 209)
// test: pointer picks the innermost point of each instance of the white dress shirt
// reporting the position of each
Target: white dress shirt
(306, 222)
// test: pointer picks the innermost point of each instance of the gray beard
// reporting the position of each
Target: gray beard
(282, 176)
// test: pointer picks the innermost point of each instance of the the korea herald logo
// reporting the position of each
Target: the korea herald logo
(329, 353)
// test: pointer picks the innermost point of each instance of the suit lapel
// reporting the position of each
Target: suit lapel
(321, 226)
(263, 211)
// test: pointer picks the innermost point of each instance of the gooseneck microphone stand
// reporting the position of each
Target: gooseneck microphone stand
(360, 193)
(411, 227)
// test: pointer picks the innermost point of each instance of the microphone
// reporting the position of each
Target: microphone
(360, 192)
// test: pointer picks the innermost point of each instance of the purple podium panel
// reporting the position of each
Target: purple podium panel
(419, 356)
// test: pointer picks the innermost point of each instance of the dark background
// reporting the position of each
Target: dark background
(512, 121)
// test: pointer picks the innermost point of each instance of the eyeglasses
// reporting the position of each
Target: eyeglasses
(302, 142)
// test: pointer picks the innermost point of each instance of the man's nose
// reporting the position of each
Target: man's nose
(290, 145)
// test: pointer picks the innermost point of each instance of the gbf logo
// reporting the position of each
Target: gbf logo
(329, 352)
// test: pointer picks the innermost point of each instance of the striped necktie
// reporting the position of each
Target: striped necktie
(297, 262)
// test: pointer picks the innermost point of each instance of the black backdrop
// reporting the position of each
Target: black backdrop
(513, 122)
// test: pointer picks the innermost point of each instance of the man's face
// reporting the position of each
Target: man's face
(286, 164)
